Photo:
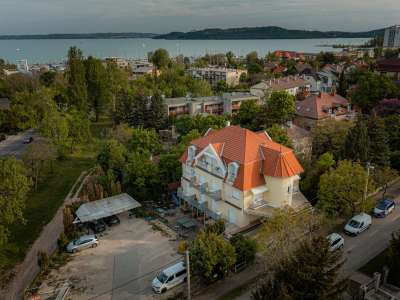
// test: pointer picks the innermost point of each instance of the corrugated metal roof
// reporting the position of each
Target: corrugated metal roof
(102, 208)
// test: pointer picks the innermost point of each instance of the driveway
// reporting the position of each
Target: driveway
(14, 144)
(122, 267)
(361, 249)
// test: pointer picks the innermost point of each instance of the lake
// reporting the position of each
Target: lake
(47, 51)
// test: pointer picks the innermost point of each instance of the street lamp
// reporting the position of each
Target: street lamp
(368, 166)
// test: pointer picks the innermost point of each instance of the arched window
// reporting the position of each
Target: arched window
(233, 169)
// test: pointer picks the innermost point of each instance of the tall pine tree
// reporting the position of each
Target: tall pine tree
(156, 112)
(379, 151)
(357, 144)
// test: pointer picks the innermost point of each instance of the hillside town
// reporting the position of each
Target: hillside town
(212, 177)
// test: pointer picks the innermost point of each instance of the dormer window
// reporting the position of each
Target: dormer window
(233, 169)
(191, 153)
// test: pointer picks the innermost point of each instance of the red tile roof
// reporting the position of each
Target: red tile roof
(256, 154)
(317, 106)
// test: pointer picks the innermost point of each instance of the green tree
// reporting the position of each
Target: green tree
(145, 140)
(77, 90)
(156, 113)
(98, 90)
(140, 177)
(383, 176)
(211, 256)
(199, 88)
(341, 190)
(342, 85)
(371, 88)
(279, 135)
(329, 136)
(48, 78)
(280, 108)
(78, 129)
(379, 151)
(310, 182)
(248, 116)
(245, 248)
(112, 156)
(14, 188)
(160, 58)
(357, 142)
(312, 272)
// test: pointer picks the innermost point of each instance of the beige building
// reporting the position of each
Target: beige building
(228, 103)
(293, 85)
(239, 176)
(213, 75)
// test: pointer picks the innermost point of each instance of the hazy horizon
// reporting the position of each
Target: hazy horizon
(161, 16)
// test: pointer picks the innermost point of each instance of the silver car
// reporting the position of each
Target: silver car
(84, 242)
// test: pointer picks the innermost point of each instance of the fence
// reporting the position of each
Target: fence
(26, 272)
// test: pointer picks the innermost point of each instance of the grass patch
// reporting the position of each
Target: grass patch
(42, 205)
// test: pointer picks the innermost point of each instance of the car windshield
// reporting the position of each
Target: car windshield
(162, 277)
(77, 242)
(354, 224)
(382, 205)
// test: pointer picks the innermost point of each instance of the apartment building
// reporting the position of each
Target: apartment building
(228, 103)
(390, 67)
(294, 85)
(214, 75)
(239, 176)
(392, 37)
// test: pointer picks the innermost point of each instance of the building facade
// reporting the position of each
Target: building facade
(215, 75)
(239, 176)
(293, 85)
(228, 103)
(392, 37)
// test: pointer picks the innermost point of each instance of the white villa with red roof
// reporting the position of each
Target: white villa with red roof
(240, 176)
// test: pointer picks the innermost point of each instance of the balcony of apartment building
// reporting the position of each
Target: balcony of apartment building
(206, 189)
(214, 109)
(178, 110)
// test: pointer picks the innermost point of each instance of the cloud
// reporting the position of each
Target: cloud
(45, 16)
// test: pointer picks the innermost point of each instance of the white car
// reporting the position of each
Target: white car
(169, 278)
(358, 224)
(336, 241)
(84, 242)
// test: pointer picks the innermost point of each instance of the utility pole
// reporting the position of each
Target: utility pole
(188, 274)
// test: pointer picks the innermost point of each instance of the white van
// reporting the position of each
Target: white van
(169, 278)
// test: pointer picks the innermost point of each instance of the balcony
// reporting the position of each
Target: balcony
(256, 204)
(215, 194)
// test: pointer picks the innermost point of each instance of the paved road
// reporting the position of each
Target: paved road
(359, 250)
(14, 146)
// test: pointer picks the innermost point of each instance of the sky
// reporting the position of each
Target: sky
(161, 16)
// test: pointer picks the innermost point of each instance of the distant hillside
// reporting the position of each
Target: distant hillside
(270, 32)
(57, 36)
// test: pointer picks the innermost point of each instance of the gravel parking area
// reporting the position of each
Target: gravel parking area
(128, 257)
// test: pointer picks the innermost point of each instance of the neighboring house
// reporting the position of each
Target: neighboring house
(392, 37)
(329, 76)
(320, 107)
(389, 67)
(304, 69)
(239, 176)
(5, 104)
(228, 103)
(293, 85)
(121, 62)
(215, 74)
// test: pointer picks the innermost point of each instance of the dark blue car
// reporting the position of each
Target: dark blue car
(383, 208)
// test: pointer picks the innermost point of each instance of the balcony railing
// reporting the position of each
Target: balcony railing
(215, 194)
(257, 204)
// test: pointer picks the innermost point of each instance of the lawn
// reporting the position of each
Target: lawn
(43, 204)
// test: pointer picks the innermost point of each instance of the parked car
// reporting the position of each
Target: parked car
(84, 242)
(358, 224)
(383, 208)
(112, 220)
(28, 140)
(336, 241)
(97, 226)
(169, 278)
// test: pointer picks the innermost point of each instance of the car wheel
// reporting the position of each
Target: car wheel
(73, 250)
(94, 245)
(163, 290)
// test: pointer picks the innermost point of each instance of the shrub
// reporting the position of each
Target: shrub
(43, 261)
(245, 248)
(182, 247)
(217, 227)
(62, 242)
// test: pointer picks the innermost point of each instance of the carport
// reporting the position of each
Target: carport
(105, 207)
